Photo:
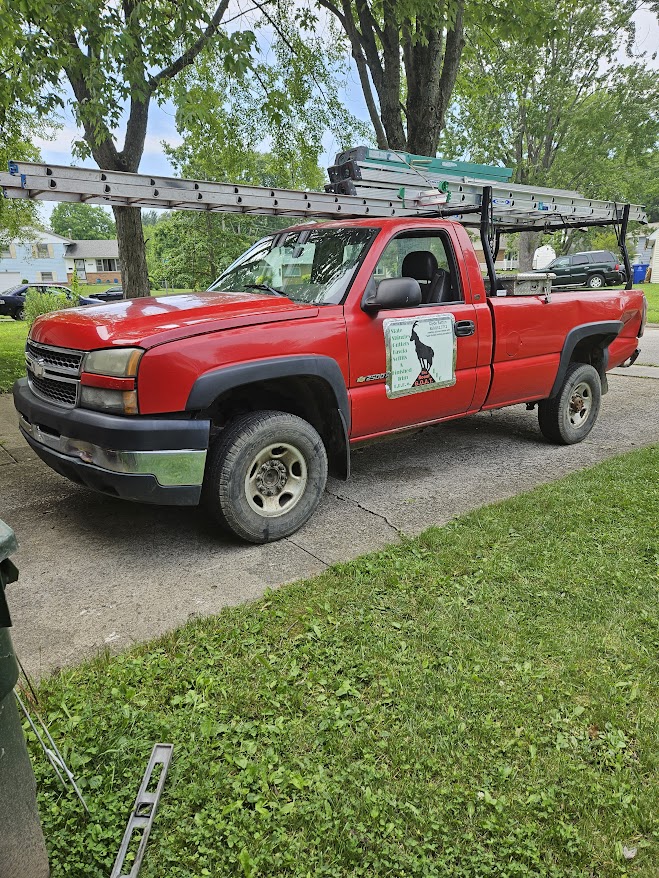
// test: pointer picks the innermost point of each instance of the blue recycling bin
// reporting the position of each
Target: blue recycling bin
(639, 272)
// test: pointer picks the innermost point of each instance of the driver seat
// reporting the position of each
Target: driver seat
(435, 282)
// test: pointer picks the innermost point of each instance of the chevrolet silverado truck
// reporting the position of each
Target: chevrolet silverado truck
(318, 338)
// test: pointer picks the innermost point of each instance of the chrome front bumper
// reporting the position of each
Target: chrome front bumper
(169, 468)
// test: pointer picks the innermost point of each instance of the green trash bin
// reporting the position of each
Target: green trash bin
(22, 849)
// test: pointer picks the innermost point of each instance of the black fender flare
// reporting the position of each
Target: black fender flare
(209, 386)
(604, 331)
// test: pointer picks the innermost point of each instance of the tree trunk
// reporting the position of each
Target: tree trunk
(132, 253)
(431, 67)
(528, 244)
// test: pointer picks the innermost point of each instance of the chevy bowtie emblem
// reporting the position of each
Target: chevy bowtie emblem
(37, 366)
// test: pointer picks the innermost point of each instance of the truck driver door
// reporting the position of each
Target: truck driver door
(416, 364)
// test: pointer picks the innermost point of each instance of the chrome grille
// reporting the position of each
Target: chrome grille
(55, 358)
(53, 373)
(62, 392)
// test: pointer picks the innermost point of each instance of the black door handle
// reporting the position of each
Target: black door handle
(465, 327)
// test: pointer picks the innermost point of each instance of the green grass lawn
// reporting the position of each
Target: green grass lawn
(12, 351)
(480, 701)
(652, 295)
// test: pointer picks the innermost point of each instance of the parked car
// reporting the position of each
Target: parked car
(594, 269)
(12, 302)
(113, 294)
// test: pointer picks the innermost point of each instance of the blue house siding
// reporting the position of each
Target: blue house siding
(31, 268)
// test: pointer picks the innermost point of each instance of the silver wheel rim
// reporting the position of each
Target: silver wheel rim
(580, 405)
(276, 480)
(596, 282)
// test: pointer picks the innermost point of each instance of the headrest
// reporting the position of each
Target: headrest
(421, 265)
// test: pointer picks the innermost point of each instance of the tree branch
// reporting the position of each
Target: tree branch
(331, 7)
(453, 52)
(103, 150)
(350, 28)
(190, 54)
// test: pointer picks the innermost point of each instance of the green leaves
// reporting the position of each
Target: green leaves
(548, 96)
(82, 222)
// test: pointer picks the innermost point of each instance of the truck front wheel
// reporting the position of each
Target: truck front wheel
(570, 415)
(265, 476)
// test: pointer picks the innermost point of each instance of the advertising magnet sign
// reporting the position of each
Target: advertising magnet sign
(421, 353)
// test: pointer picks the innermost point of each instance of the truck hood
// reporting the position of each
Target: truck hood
(151, 321)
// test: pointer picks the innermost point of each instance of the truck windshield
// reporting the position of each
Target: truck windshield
(309, 265)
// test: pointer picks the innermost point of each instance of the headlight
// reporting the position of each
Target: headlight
(116, 362)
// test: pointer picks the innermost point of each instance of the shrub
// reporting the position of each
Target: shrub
(37, 304)
(75, 288)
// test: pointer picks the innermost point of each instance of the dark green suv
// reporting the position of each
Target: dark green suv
(596, 269)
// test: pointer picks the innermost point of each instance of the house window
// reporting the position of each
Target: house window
(107, 265)
(42, 251)
(5, 253)
(46, 277)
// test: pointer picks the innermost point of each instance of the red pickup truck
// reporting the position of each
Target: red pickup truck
(319, 337)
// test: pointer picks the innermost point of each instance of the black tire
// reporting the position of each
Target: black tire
(19, 314)
(288, 481)
(569, 417)
(596, 282)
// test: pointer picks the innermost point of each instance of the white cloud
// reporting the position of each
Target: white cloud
(62, 140)
(153, 142)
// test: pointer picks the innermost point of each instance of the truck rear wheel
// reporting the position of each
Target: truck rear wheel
(569, 417)
(265, 476)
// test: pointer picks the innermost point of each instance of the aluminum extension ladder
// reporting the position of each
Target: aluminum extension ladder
(357, 188)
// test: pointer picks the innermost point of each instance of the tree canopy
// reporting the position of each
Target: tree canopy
(117, 58)
(561, 108)
(17, 217)
(82, 222)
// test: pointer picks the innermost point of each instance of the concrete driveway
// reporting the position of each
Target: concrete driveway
(98, 573)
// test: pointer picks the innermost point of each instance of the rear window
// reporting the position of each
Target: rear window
(601, 256)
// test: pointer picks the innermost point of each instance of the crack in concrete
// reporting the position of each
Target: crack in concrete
(8, 453)
(366, 509)
(306, 551)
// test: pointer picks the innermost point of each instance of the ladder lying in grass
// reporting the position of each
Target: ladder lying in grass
(363, 183)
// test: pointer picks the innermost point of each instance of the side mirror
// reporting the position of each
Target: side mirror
(394, 292)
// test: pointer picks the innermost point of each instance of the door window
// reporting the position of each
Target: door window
(580, 260)
(426, 257)
(563, 262)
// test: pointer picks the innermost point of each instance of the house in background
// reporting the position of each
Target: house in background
(50, 258)
(96, 261)
(38, 261)
(507, 260)
(653, 259)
